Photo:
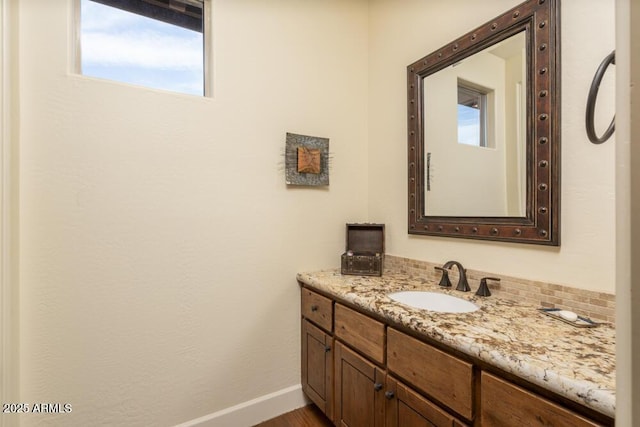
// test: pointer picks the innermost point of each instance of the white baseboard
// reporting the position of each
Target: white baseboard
(254, 411)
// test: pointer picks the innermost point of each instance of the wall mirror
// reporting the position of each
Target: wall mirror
(484, 131)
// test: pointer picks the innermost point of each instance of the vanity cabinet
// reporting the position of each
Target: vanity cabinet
(344, 372)
(362, 372)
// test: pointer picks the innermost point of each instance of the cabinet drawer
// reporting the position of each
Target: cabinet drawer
(505, 404)
(441, 376)
(317, 309)
(360, 332)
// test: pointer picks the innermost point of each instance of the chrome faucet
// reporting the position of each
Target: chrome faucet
(463, 284)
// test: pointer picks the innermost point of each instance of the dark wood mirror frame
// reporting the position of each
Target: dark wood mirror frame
(541, 223)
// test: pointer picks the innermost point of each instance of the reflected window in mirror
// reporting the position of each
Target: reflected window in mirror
(472, 115)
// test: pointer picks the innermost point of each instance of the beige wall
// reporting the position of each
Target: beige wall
(401, 35)
(159, 242)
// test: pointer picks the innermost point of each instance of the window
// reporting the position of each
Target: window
(472, 115)
(160, 44)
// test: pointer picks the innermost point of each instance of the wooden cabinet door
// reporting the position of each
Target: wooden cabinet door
(505, 404)
(359, 390)
(317, 367)
(406, 408)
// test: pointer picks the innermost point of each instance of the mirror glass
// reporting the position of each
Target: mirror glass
(484, 131)
(474, 124)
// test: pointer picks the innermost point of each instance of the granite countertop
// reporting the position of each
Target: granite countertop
(577, 363)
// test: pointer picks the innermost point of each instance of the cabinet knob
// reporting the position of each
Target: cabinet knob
(389, 395)
(327, 349)
(314, 308)
(377, 386)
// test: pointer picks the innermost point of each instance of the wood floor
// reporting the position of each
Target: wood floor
(307, 416)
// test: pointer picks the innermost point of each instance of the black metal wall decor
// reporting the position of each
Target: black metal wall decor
(591, 102)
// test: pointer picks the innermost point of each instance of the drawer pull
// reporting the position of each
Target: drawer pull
(389, 394)
(314, 308)
(377, 386)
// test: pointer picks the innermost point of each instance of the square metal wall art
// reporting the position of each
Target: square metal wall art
(306, 160)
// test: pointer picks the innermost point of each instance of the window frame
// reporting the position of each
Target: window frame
(207, 51)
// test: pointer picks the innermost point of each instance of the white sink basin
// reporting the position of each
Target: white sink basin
(433, 301)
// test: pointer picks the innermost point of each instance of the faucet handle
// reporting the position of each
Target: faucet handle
(444, 280)
(483, 289)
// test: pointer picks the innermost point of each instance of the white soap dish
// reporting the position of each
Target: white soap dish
(566, 316)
